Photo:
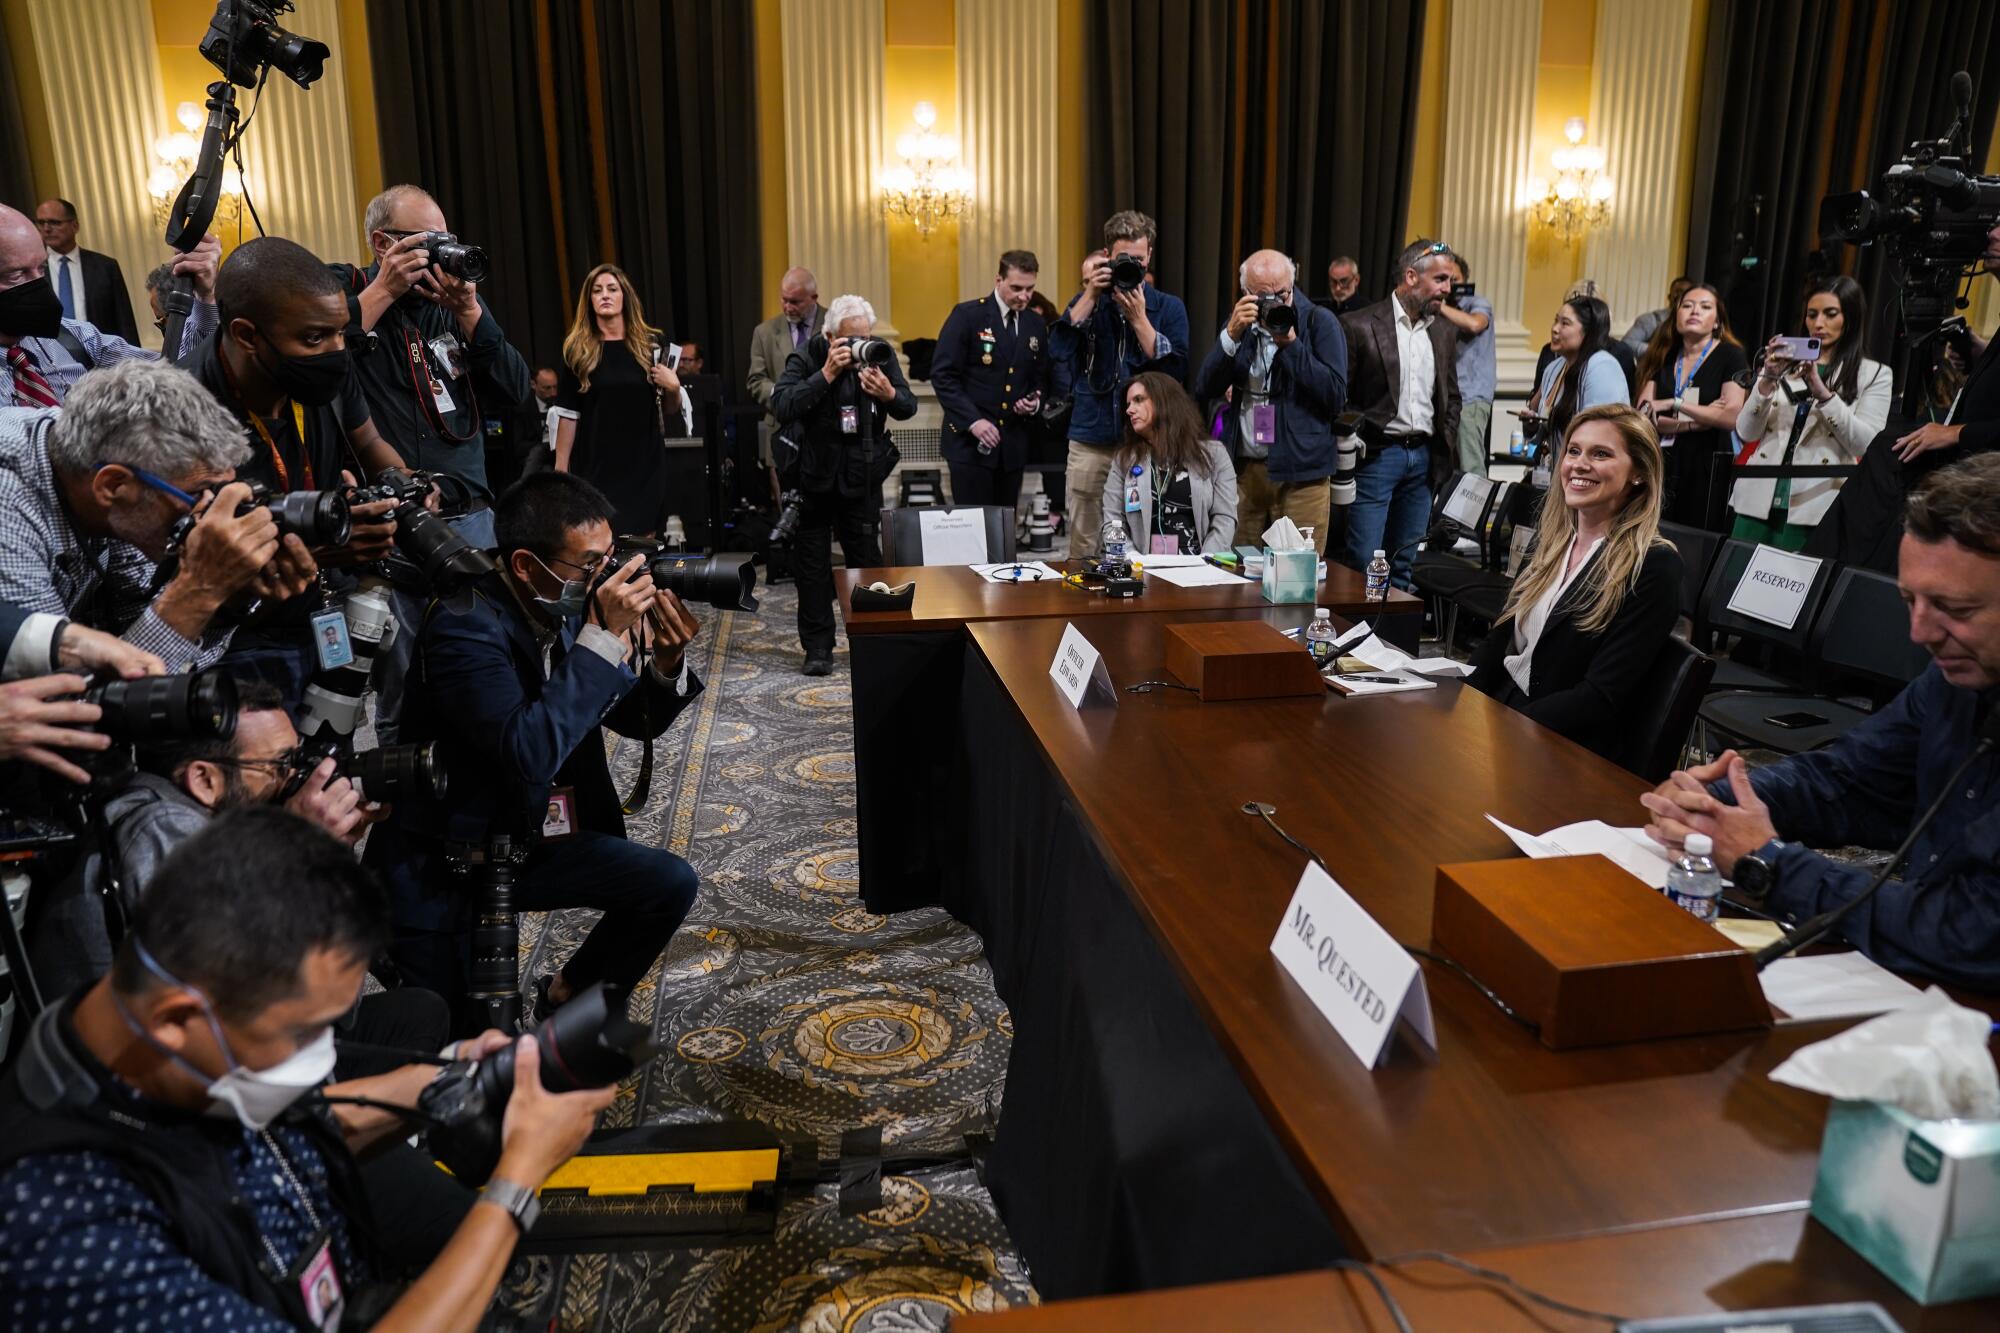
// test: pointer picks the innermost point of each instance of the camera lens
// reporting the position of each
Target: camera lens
(872, 352)
(320, 518)
(466, 262)
(158, 708)
(1128, 272)
(396, 772)
(1277, 316)
(725, 582)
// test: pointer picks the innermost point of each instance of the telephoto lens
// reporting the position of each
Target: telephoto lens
(871, 352)
(588, 1043)
(725, 582)
(188, 706)
(396, 772)
(1128, 272)
(1347, 457)
(1276, 315)
(453, 256)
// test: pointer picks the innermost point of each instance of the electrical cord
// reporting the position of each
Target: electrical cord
(1395, 1310)
(1148, 686)
(1502, 1279)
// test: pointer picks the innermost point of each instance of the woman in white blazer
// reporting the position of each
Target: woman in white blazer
(1809, 413)
(1172, 486)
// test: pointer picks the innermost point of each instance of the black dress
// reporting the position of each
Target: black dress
(618, 446)
(1697, 483)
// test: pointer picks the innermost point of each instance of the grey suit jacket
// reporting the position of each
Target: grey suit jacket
(770, 345)
(1214, 502)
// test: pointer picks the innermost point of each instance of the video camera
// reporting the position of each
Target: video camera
(1128, 272)
(244, 37)
(588, 1043)
(1277, 315)
(725, 582)
(317, 518)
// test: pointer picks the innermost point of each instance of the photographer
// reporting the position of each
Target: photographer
(513, 685)
(90, 497)
(1472, 316)
(1283, 361)
(159, 1160)
(836, 408)
(440, 362)
(280, 365)
(1118, 325)
(42, 355)
(179, 788)
(43, 658)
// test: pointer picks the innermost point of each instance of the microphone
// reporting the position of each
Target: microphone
(1437, 533)
(1810, 932)
(1960, 134)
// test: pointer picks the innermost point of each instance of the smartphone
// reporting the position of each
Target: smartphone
(1798, 349)
(1796, 721)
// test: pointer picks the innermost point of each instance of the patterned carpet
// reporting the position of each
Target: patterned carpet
(783, 1000)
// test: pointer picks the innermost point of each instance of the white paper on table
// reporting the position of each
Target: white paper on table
(1355, 634)
(1627, 848)
(1834, 985)
(1203, 576)
(1029, 571)
(952, 536)
(1170, 561)
(1378, 654)
(1439, 666)
(1404, 681)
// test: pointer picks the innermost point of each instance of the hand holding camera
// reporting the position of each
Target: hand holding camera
(402, 265)
(541, 1129)
(37, 717)
(330, 801)
(839, 356)
(228, 547)
(1242, 316)
(623, 596)
(877, 385)
(674, 628)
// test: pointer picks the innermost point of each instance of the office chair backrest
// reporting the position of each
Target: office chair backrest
(1466, 501)
(1698, 548)
(1865, 629)
(903, 534)
(1664, 712)
(1730, 563)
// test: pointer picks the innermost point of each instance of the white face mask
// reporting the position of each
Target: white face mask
(255, 1097)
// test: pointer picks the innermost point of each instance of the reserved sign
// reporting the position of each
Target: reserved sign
(1774, 586)
(1078, 666)
(1353, 970)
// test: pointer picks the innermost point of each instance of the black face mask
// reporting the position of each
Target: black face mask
(30, 310)
(314, 381)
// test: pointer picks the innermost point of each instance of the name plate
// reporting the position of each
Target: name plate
(1078, 667)
(1353, 970)
(1774, 586)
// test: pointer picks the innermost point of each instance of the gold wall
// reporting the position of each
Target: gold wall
(920, 65)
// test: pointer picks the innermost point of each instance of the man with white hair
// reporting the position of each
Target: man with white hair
(1283, 362)
(834, 402)
(42, 354)
(89, 498)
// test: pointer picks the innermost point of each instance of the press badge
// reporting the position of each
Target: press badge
(330, 641)
(560, 821)
(1264, 423)
(850, 419)
(1166, 543)
(449, 353)
(318, 1279)
(1133, 504)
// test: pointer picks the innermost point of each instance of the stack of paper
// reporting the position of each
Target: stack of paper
(1384, 682)
(1192, 576)
(1834, 985)
(1628, 848)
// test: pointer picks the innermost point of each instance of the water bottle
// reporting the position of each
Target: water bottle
(1692, 881)
(1117, 543)
(1516, 444)
(1320, 637)
(1378, 577)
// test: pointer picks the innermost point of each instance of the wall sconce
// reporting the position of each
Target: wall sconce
(173, 158)
(1579, 197)
(927, 189)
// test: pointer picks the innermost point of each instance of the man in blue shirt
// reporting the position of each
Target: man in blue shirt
(1942, 918)
(1117, 326)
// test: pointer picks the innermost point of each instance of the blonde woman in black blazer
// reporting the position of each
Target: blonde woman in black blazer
(1597, 600)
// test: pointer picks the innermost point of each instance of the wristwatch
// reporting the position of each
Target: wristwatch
(1752, 875)
(519, 1201)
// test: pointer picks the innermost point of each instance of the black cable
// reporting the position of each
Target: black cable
(1148, 686)
(1381, 1290)
(1493, 1275)
(407, 1112)
(1265, 810)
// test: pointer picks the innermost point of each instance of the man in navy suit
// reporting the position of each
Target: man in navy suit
(512, 681)
(992, 361)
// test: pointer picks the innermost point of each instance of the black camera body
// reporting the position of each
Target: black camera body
(1929, 210)
(317, 518)
(1277, 315)
(244, 37)
(450, 255)
(1459, 291)
(725, 582)
(791, 508)
(1128, 272)
(443, 560)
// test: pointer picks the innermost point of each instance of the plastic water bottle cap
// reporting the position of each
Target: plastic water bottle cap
(1698, 844)
(1381, 553)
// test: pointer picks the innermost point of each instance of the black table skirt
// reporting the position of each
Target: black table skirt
(1129, 1154)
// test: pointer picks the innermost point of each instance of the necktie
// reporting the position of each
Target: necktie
(65, 292)
(798, 335)
(1010, 324)
(30, 389)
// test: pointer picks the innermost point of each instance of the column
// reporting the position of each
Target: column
(1636, 100)
(833, 142)
(101, 76)
(297, 155)
(1007, 121)
(1489, 122)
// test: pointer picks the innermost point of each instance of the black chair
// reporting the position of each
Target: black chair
(1484, 597)
(1698, 548)
(1467, 507)
(903, 537)
(1862, 637)
(1665, 711)
(1714, 616)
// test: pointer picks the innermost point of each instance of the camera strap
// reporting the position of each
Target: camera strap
(416, 360)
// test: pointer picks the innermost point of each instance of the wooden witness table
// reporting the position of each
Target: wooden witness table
(1177, 1111)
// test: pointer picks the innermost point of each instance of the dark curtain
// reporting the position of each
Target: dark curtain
(1241, 124)
(17, 176)
(1803, 98)
(564, 135)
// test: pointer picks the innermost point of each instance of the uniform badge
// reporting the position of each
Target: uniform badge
(1034, 343)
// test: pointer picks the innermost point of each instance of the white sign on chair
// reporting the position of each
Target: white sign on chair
(1774, 586)
(953, 536)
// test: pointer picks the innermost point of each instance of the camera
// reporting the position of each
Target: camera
(164, 708)
(791, 509)
(1932, 213)
(244, 37)
(1276, 315)
(442, 559)
(1347, 457)
(395, 772)
(588, 1043)
(1459, 291)
(451, 255)
(871, 352)
(1128, 272)
(318, 518)
(725, 582)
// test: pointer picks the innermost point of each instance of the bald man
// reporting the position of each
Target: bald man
(1282, 363)
(42, 354)
(773, 341)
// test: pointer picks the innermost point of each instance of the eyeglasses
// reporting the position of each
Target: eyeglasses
(290, 762)
(590, 569)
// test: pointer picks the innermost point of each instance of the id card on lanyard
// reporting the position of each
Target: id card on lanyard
(316, 1277)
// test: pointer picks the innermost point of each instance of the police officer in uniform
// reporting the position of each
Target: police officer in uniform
(992, 364)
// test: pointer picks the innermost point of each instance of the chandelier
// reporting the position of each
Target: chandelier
(1579, 197)
(927, 189)
(173, 162)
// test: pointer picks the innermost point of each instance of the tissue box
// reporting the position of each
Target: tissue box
(1291, 576)
(1919, 1199)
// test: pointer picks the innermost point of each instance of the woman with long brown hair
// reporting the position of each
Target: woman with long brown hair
(621, 399)
(1591, 609)
(1171, 485)
(1688, 389)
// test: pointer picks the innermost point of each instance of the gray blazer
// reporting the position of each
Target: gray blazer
(1214, 502)
(770, 345)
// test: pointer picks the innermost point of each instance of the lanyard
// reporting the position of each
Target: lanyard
(278, 459)
(305, 1201)
(1680, 380)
